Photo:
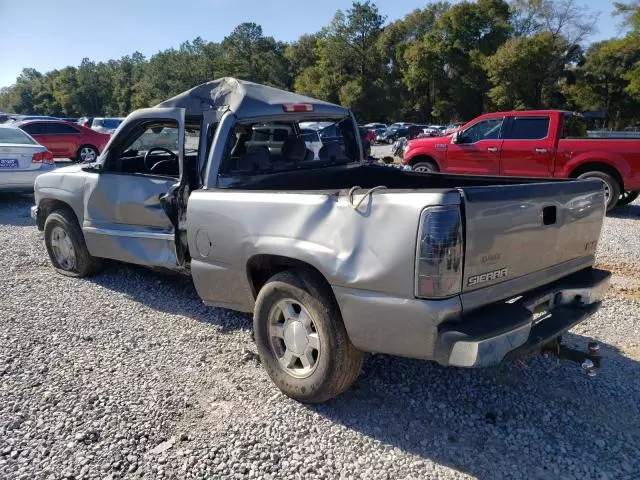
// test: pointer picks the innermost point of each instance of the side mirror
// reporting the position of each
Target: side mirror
(455, 138)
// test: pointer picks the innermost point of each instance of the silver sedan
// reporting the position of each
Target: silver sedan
(22, 159)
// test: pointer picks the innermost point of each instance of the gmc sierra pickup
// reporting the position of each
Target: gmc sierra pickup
(218, 183)
(546, 144)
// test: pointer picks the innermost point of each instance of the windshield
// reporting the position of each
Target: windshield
(164, 136)
(15, 136)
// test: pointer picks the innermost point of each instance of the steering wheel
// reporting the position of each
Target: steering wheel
(148, 155)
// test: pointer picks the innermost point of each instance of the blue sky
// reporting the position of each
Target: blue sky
(48, 34)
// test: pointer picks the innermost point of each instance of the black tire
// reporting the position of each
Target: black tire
(611, 186)
(86, 148)
(83, 263)
(425, 167)
(338, 362)
(627, 197)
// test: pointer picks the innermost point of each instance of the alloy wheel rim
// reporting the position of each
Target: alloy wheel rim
(422, 169)
(294, 338)
(87, 154)
(62, 247)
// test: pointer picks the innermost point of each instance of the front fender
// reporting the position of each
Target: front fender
(64, 185)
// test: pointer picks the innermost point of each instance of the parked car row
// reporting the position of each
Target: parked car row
(383, 133)
(99, 124)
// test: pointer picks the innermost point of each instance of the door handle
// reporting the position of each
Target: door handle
(542, 150)
(492, 149)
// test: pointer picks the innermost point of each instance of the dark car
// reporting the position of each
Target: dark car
(392, 134)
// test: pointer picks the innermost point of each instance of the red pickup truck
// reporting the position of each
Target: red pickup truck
(540, 143)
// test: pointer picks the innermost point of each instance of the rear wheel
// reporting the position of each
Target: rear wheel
(301, 339)
(66, 247)
(627, 197)
(87, 153)
(611, 187)
(425, 167)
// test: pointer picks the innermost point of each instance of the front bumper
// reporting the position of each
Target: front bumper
(502, 331)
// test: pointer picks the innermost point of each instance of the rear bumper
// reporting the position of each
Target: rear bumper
(508, 330)
(440, 330)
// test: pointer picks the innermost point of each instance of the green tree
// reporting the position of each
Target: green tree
(524, 70)
(445, 67)
(348, 65)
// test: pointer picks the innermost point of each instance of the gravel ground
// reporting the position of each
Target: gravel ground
(128, 375)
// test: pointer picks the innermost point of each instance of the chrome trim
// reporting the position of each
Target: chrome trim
(129, 233)
(489, 351)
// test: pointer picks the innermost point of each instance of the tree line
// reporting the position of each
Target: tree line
(440, 63)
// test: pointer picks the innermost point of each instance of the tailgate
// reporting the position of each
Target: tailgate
(516, 230)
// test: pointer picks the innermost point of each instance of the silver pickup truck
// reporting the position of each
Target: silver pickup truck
(334, 256)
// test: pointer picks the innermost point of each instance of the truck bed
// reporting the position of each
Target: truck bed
(518, 233)
(367, 176)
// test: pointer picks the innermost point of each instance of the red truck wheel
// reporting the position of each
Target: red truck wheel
(425, 167)
(611, 187)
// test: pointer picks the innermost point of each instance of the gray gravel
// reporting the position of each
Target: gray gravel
(128, 375)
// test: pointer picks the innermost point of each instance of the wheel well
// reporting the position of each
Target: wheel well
(261, 268)
(48, 205)
(598, 167)
(424, 158)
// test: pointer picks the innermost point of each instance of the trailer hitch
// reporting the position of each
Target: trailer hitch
(590, 360)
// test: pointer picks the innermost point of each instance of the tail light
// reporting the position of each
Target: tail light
(45, 157)
(440, 252)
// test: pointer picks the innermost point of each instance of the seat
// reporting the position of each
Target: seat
(331, 152)
(256, 158)
(295, 150)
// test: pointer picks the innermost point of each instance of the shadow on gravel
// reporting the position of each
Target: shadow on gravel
(15, 209)
(166, 292)
(538, 419)
(628, 211)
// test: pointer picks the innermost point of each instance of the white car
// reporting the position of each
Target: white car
(434, 130)
(399, 125)
(375, 126)
(22, 159)
(106, 124)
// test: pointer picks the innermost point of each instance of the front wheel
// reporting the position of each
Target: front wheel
(425, 167)
(301, 338)
(66, 247)
(611, 187)
(627, 197)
